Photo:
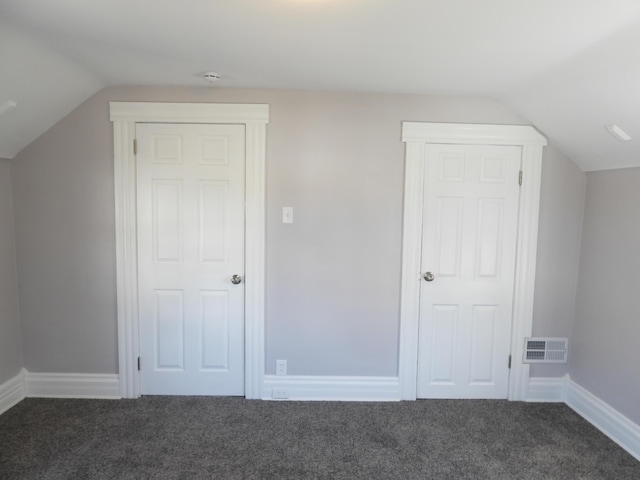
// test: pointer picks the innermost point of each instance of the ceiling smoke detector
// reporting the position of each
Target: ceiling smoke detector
(211, 77)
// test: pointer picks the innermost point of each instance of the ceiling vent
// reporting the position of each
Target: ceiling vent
(616, 132)
(545, 350)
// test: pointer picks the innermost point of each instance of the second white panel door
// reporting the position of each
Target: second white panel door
(468, 258)
(190, 194)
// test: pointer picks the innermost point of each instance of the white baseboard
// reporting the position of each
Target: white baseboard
(604, 417)
(309, 387)
(612, 423)
(72, 385)
(600, 414)
(546, 389)
(11, 392)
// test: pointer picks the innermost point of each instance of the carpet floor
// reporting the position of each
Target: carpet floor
(234, 438)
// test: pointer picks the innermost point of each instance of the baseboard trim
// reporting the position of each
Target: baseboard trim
(310, 387)
(543, 389)
(604, 417)
(607, 419)
(72, 385)
(12, 392)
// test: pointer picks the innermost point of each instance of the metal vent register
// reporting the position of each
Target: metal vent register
(545, 350)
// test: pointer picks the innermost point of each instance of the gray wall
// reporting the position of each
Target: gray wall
(333, 277)
(605, 356)
(561, 210)
(10, 336)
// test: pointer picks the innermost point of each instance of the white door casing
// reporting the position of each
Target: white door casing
(470, 214)
(417, 136)
(125, 116)
(190, 216)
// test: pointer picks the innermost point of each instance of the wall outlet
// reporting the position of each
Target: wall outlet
(280, 394)
(281, 367)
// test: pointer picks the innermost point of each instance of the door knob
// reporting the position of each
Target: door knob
(428, 277)
(236, 279)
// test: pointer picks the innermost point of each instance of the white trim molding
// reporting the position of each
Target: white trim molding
(604, 417)
(547, 389)
(72, 385)
(124, 116)
(12, 392)
(417, 136)
(351, 389)
(471, 134)
(622, 430)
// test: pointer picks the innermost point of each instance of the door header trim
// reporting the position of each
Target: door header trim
(149, 112)
(472, 134)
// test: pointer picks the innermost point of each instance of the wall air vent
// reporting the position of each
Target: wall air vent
(545, 350)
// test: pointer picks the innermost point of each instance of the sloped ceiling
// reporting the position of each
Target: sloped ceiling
(570, 66)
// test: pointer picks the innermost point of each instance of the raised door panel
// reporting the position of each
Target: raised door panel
(489, 238)
(443, 344)
(166, 204)
(166, 149)
(169, 330)
(214, 150)
(215, 330)
(483, 344)
(449, 211)
(214, 217)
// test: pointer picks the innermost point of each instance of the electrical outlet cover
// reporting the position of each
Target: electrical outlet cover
(279, 394)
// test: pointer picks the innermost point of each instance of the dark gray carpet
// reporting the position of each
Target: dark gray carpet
(233, 438)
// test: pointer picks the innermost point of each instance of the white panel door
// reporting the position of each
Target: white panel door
(190, 191)
(468, 254)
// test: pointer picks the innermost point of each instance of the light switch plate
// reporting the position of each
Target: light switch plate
(287, 214)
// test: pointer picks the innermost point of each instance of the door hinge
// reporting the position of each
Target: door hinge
(135, 147)
(138, 363)
(520, 178)
(509, 362)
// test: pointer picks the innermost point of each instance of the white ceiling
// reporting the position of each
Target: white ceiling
(569, 66)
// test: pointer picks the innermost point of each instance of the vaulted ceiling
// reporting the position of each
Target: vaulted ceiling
(570, 66)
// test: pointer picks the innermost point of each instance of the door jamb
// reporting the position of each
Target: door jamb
(416, 135)
(124, 116)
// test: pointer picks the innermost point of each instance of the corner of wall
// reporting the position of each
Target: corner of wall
(577, 273)
(12, 392)
(600, 414)
(11, 343)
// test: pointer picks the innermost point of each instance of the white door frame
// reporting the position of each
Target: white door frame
(416, 136)
(124, 116)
